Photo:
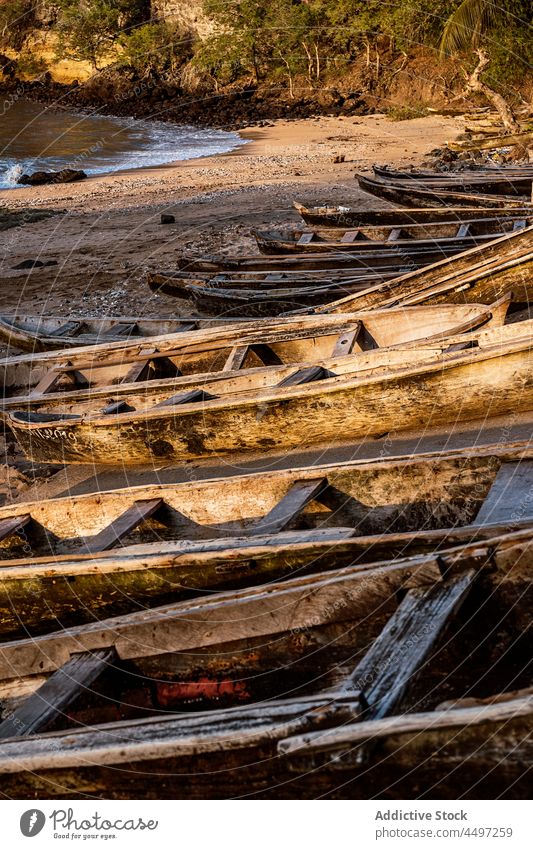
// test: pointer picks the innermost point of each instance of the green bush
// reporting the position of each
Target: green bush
(406, 113)
(155, 49)
(16, 20)
(88, 31)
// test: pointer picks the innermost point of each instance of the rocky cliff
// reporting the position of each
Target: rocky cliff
(188, 13)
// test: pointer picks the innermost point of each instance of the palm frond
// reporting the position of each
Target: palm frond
(465, 26)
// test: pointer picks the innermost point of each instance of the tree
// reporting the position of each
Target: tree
(466, 27)
(16, 20)
(87, 30)
(155, 49)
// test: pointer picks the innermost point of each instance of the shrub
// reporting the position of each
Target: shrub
(155, 49)
(16, 19)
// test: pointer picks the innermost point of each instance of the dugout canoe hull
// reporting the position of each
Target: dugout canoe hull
(448, 236)
(40, 333)
(252, 746)
(106, 370)
(421, 197)
(480, 275)
(492, 378)
(222, 533)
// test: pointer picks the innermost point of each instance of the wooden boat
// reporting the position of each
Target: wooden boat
(269, 293)
(40, 333)
(345, 216)
(129, 549)
(472, 169)
(236, 295)
(444, 235)
(472, 747)
(251, 299)
(379, 256)
(108, 372)
(413, 195)
(508, 182)
(283, 408)
(480, 274)
(95, 709)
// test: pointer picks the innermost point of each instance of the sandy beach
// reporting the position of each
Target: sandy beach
(107, 232)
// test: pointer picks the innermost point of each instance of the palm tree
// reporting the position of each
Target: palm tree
(467, 24)
(464, 29)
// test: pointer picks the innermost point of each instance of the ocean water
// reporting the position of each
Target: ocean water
(35, 137)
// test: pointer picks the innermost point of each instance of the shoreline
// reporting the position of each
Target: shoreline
(238, 141)
(107, 233)
(280, 152)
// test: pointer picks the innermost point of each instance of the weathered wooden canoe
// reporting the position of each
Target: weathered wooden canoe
(312, 653)
(270, 293)
(319, 402)
(479, 275)
(40, 333)
(412, 195)
(379, 256)
(252, 299)
(487, 183)
(127, 549)
(482, 171)
(169, 362)
(471, 748)
(345, 216)
(446, 235)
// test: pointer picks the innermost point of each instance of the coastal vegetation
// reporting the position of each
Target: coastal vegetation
(295, 48)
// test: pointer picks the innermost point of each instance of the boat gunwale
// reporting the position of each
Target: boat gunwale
(265, 395)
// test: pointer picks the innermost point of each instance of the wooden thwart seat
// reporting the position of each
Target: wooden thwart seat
(12, 525)
(400, 651)
(53, 697)
(395, 234)
(71, 328)
(191, 397)
(290, 506)
(239, 353)
(350, 236)
(123, 525)
(306, 375)
(152, 368)
(510, 496)
(406, 642)
(121, 329)
(346, 341)
(117, 407)
(52, 378)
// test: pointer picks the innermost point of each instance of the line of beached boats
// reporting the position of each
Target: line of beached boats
(311, 626)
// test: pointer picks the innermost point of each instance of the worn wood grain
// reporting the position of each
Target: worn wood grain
(56, 694)
(310, 601)
(511, 495)
(290, 506)
(491, 377)
(406, 643)
(173, 736)
(288, 340)
(123, 525)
